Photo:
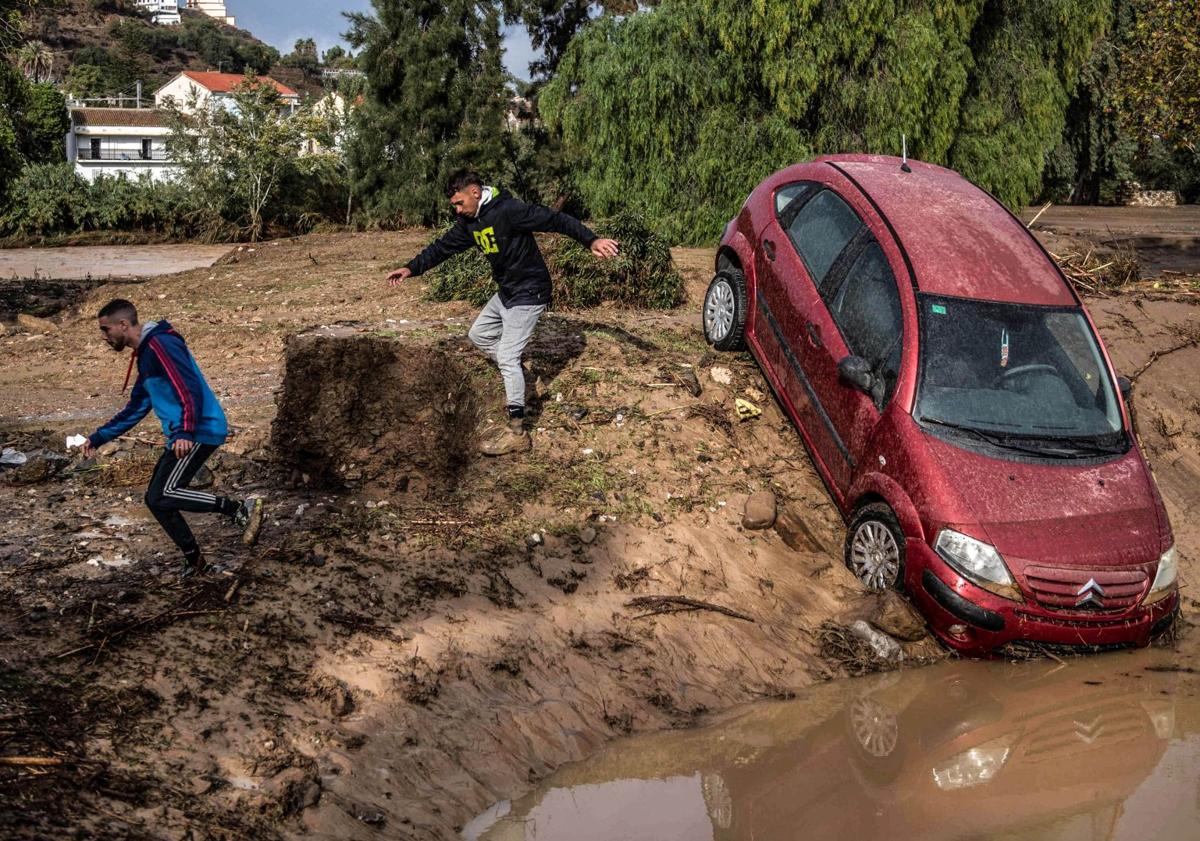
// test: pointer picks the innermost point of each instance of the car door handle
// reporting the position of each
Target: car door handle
(814, 334)
(769, 249)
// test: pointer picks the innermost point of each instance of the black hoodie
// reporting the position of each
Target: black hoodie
(503, 231)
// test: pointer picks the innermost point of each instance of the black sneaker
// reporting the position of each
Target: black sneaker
(248, 518)
(193, 567)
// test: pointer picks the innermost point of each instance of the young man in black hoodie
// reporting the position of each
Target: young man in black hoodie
(502, 228)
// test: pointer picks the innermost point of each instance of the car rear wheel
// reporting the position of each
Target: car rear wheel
(875, 547)
(725, 310)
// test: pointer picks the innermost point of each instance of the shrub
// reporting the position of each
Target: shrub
(641, 276)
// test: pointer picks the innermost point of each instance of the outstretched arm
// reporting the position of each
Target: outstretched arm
(122, 421)
(535, 217)
(454, 241)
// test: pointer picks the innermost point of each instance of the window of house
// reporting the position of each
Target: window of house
(821, 230)
(95, 148)
(147, 152)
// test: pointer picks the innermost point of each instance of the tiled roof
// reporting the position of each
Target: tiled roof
(117, 117)
(226, 82)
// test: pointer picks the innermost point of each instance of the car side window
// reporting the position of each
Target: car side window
(788, 196)
(821, 230)
(866, 309)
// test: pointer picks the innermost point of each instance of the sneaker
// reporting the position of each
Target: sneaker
(191, 568)
(512, 439)
(249, 519)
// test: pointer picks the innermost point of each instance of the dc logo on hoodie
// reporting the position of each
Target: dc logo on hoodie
(486, 240)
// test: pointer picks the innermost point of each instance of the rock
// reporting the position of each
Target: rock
(199, 785)
(341, 702)
(576, 413)
(203, 479)
(721, 375)
(687, 378)
(587, 535)
(885, 647)
(795, 532)
(895, 616)
(36, 325)
(12, 458)
(534, 540)
(760, 511)
(295, 789)
(39, 466)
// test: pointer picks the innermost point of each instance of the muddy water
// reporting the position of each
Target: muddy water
(1096, 748)
(99, 261)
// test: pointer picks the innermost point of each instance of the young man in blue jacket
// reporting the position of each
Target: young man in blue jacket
(170, 383)
(502, 228)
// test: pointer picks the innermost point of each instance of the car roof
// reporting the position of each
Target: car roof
(959, 239)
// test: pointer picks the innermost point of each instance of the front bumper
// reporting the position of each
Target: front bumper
(991, 622)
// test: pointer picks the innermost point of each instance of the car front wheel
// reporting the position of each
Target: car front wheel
(725, 310)
(875, 548)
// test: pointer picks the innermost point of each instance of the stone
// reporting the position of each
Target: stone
(895, 616)
(295, 789)
(587, 535)
(795, 532)
(721, 375)
(33, 324)
(884, 647)
(760, 511)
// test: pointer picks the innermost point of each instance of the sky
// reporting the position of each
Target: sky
(281, 23)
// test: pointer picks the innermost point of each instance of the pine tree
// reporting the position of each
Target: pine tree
(434, 102)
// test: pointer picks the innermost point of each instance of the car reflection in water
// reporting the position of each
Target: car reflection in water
(969, 750)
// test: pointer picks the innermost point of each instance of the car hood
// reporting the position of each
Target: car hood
(1060, 514)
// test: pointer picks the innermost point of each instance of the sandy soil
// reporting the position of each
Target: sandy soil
(385, 664)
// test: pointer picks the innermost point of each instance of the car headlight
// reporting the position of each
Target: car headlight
(977, 561)
(972, 767)
(1164, 581)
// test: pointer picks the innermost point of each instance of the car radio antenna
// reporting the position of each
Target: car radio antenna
(904, 167)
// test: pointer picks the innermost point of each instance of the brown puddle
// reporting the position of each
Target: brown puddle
(1106, 747)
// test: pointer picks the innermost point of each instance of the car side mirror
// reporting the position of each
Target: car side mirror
(856, 372)
(1125, 387)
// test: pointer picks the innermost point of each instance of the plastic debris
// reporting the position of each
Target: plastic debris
(745, 409)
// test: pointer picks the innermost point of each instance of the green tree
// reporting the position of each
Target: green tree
(237, 157)
(683, 108)
(1160, 90)
(303, 57)
(432, 89)
(13, 92)
(36, 61)
(45, 124)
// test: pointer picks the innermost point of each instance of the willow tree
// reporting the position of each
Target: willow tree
(435, 101)
(683, 108)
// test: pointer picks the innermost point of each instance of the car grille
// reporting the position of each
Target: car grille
(1086, 590)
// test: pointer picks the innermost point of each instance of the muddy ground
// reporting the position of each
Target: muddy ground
(394, 656)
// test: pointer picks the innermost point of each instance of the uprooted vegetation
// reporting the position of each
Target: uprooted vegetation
(394, 657)
(641, 276)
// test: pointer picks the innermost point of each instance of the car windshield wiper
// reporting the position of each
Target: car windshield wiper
(999, 439)
(1101, 445)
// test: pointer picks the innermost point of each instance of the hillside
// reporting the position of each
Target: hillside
(103, 47)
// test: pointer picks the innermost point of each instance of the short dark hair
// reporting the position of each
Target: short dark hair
(119, 308)
(461, 180)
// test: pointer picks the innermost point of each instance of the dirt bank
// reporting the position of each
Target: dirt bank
(385, 664)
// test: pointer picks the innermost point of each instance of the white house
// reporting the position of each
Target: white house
(214, 89)
(212, 8)
(165, 12)
(123, 142)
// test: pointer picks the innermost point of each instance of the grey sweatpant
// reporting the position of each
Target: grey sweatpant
(502, 332)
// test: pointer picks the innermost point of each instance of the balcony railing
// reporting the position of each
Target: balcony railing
(86, 154)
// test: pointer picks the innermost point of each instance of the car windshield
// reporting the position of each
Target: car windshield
(1016, 375)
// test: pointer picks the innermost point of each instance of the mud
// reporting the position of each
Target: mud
(385, 664)
(374, 408)
(106, 261)
(1104, 748)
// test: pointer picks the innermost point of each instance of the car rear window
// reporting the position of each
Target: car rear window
(821, 230)
(789, 194)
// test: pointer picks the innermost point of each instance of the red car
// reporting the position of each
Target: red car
(955, 398)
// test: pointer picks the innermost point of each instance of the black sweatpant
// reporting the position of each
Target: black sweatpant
(169, 494)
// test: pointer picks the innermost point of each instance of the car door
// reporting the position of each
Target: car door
(859, 315)
(819, 232)
(784, 293)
